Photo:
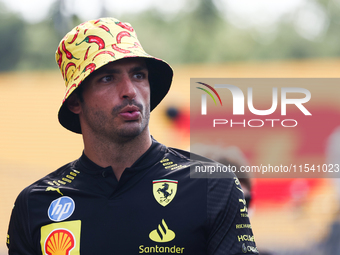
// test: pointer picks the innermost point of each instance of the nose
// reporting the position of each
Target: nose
(128, 89)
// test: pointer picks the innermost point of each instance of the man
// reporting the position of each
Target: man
(127, 193)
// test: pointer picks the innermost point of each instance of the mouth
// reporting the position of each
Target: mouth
(130, 112)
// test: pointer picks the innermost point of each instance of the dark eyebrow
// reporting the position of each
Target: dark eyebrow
(138, 69)
(105, 71)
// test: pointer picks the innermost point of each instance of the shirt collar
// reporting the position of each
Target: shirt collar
(154, 154)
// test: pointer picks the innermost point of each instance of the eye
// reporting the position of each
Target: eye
(140, 75)
(106, 79)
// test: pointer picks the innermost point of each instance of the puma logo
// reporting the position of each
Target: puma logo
(54, 189)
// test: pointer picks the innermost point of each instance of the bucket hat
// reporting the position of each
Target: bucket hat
(95, 43)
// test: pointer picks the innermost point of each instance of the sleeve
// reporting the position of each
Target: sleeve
(19, 238)
(229, 229)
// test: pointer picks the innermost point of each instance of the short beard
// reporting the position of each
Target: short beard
(126, 134)
(98, 123)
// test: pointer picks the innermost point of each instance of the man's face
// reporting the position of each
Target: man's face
(116, 100)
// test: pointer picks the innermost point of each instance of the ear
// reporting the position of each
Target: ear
(73, 103)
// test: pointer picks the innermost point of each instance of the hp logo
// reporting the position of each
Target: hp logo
(61, 208)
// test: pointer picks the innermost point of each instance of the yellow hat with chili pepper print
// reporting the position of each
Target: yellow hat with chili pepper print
(96, 43)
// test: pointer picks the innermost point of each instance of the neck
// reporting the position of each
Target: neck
(120, 154)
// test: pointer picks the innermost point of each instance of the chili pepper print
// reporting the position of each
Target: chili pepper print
(91, 67)
(94, 39)
(68, 91)
(115, 47)
(96, 21)
(74, 37)
(68, 66)
(60, 60)
(87, 52)
(62, 70)
(125, 26)
(78, 75)
(136, 45)
(71, 76)
(106, 29)
(68, 54)
(104, 52)
(120, 35)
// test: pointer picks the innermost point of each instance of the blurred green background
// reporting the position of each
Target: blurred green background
(188, 31)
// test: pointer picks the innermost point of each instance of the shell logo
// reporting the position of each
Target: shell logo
(59, 242)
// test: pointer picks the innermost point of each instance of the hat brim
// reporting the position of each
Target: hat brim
(160, 78)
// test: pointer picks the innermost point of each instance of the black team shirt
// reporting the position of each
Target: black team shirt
(155, 208)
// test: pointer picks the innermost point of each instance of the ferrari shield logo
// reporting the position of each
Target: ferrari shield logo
(164, 191)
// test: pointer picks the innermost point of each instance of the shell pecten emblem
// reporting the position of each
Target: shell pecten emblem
(162, 234)
(62, 238)
(59, 242)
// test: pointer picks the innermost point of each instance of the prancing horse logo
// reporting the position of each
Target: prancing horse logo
(164, 191)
